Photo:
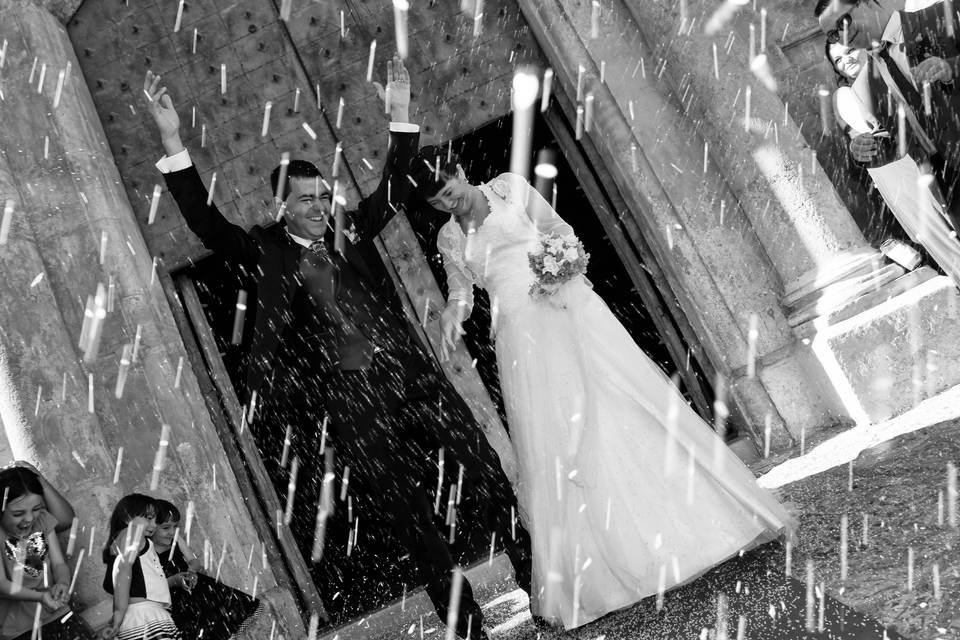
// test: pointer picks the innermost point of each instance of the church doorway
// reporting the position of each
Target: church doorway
(368, 571)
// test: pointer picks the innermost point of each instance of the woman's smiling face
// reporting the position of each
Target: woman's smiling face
(455, 197)
(846, 60)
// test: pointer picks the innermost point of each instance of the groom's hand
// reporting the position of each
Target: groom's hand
(161, 108)
(396, 96)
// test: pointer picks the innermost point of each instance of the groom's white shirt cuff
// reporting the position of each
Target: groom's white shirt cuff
(404, 127)
(176, 162)
(181, 161)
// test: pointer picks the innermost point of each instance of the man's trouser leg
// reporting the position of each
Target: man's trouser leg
(376, 441)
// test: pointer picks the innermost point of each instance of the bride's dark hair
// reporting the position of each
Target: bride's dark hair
(423, 170)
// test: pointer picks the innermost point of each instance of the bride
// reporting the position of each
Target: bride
(626, 492)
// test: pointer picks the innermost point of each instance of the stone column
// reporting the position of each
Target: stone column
(74, 227)
(790, 202)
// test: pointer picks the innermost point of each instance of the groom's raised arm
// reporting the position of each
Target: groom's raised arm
(375, 211)
(214, 230)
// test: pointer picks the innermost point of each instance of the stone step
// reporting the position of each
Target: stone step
(771, 605)
(847, 264)
(825, 300)
(864, 302)
(891, 356)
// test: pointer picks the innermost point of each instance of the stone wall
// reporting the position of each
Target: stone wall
(72, 231)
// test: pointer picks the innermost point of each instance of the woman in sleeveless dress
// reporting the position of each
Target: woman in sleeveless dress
(625, 490)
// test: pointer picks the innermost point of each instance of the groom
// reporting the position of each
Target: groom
(331, 340)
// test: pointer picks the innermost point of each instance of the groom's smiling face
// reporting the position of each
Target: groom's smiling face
(307, 208)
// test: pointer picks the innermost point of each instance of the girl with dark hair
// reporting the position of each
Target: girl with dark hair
(202, 607)
(56, 504)
(619, 479)
(35, 580)
(135, 578)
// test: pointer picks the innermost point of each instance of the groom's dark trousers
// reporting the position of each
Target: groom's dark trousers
(330, 340)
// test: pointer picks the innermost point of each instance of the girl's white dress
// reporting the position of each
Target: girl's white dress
(625, 491)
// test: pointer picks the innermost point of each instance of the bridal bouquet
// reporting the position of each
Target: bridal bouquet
(555, 261)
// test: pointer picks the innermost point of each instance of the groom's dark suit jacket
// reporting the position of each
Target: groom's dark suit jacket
(364, 290)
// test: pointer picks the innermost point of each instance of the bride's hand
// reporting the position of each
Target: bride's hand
(451, 329)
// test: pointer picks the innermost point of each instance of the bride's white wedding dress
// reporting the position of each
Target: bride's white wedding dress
(625, 491)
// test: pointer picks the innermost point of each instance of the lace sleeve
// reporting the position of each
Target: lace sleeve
(459, 279)
(515, 188)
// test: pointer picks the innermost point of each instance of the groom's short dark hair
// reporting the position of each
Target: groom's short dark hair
(296, 169)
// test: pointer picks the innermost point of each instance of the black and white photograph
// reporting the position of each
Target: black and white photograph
(479, 319)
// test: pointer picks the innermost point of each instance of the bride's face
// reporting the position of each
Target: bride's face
(456, 197)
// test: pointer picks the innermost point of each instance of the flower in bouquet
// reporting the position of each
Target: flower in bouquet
(555, 243)
(551, 266)
(555, 260)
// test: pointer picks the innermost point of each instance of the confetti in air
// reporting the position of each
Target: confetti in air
(525, 88)
(400, 9)
(159, 460)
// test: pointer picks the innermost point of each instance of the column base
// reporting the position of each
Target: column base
(888, 350)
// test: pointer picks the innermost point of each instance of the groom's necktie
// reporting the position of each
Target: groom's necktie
(321, 277)
(319, 249)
